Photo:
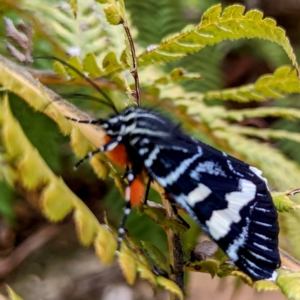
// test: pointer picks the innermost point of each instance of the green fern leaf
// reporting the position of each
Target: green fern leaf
(176, 75)
(67, 31)
(170, 286)
(145, 273)
(86, 226)
(90, 65)
(74, 6)
(210, 266)
(283, 202)
(265, 133)
(260, 112)
(283, 81)
(264, 285)
(53, 209)
(113, 14)
(105, 245)
(110, 62)
(76, 63)
(128, 264)
(7, 173)
(216, 27)
(289, 283)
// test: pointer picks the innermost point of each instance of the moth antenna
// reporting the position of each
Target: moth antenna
(84, 96)
(109, 102)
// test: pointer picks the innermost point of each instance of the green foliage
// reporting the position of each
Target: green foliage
(289, 283)
(169, 286)
(7, 199)
(101, 53)
(216, 27)
(283, 202)
(57, 200)
(283, 81)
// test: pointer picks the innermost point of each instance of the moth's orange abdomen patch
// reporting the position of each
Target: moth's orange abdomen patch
(118, 155)
(137, 191)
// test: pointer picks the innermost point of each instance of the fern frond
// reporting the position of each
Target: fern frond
(217, 26)
(289, 283)
(57, 200)
(265, 133)
(283, 202)
(88, 32)
(261, 112)
(284, 80)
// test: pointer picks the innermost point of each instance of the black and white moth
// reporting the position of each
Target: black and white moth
(228, 198)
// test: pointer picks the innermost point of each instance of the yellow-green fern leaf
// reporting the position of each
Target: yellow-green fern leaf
(215, 27)
(264, 285)
(56, 200)
(127, 263)
(170, 286)
(283, 81)
(105, 244)
(15, 79)
(260, 112)
(289, 283)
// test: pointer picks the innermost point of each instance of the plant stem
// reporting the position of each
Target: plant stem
(175, 251)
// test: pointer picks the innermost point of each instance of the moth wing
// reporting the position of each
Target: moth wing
(228, 198)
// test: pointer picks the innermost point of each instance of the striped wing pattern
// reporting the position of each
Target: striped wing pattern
(228, 198)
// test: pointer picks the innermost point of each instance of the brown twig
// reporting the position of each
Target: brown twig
(134, 72)
(31, 244)
(175, 250)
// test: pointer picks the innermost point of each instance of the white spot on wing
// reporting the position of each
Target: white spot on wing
(151, 116)
(273, 277)
(148, 132)
(260, 257)
(238, 242)
(113, 120)
(145, 141)
(230, 166)
(135, 140)
(261, 247)
(263, 237)
(221, 220)
(262, 209)
(263, 224)
(209, 167)
(129, 129)
(258, 173)
(200, 193)
(143, 151)
(251, 264)
(153, 155)
(252, 272)
(112, 146)
(173, 176)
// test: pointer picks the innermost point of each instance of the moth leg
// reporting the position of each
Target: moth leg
(147, 189)
(125, 172)
(127, 210)
(112, 144)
